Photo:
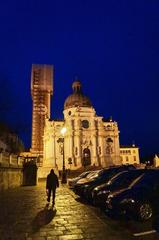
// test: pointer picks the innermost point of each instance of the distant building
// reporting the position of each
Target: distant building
(89, 139)
(156, 161)
(129, 154)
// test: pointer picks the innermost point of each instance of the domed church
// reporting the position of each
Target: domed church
(87, 139)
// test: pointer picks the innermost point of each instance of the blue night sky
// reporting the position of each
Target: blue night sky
(113, 47)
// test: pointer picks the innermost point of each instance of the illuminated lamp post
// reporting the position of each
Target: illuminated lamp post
(64, 178)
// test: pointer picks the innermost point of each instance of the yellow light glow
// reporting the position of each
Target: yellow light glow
(63, 130)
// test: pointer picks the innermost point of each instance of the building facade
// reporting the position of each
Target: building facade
(89, 139)
(129, 155)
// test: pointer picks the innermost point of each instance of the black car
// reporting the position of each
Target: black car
(121, 180)
(84, 188)
(72, 181)
(140, 199)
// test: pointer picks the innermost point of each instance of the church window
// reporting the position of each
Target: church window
(109, 140)
(69, 113)
(108, 127)
(76, 150)
(72, 123)
(85, 124)
(99, 150)
(109, 149)
(134, 158)
(96, 123)
(127, 159)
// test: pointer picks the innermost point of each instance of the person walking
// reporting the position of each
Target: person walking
(51, 184)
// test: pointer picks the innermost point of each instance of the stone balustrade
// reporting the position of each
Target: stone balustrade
(11, 171)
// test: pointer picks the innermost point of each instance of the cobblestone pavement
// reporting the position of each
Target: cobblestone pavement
(24, 215)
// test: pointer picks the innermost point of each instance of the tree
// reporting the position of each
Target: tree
(11, 139)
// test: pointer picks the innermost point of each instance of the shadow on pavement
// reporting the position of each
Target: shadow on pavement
(43, 218)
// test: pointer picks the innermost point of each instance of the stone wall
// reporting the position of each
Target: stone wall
(11, 174)
(10, 177)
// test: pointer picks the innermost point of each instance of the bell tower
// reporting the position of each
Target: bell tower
(41, 91)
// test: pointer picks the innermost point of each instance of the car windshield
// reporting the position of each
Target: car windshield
(108, 173)
(84, 174)
(124, 179)
(93, 174)
(105, 172)
(114, 178)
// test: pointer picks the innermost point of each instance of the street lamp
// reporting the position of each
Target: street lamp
(64, 178)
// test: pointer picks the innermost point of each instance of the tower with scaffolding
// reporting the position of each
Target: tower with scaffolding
(41, 91)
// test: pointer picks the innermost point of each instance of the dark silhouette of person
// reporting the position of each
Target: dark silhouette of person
(51, 184)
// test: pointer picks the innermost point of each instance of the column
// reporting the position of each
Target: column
(94, 157)
(71, 145)
(77, 143)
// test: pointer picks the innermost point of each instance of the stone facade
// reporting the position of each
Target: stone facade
(89, 139)
(156, 161)
(11, 171)
(10, 178)
(130, 154)
(86, 134)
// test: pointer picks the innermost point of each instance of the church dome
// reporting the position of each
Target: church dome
(77, 99)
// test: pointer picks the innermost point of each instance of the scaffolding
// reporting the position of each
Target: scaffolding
(41, 91)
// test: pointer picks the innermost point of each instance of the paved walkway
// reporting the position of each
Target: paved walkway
(24, 216)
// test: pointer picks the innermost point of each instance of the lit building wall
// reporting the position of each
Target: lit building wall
(85, 131)
(129, 155)
(90, 140)
(156, 161)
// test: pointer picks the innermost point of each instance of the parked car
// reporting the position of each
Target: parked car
(72, 181)
(140, 199)
(121, 180)
(90, 176)
(82, 187)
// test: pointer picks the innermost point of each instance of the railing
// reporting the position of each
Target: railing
(10, 160)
